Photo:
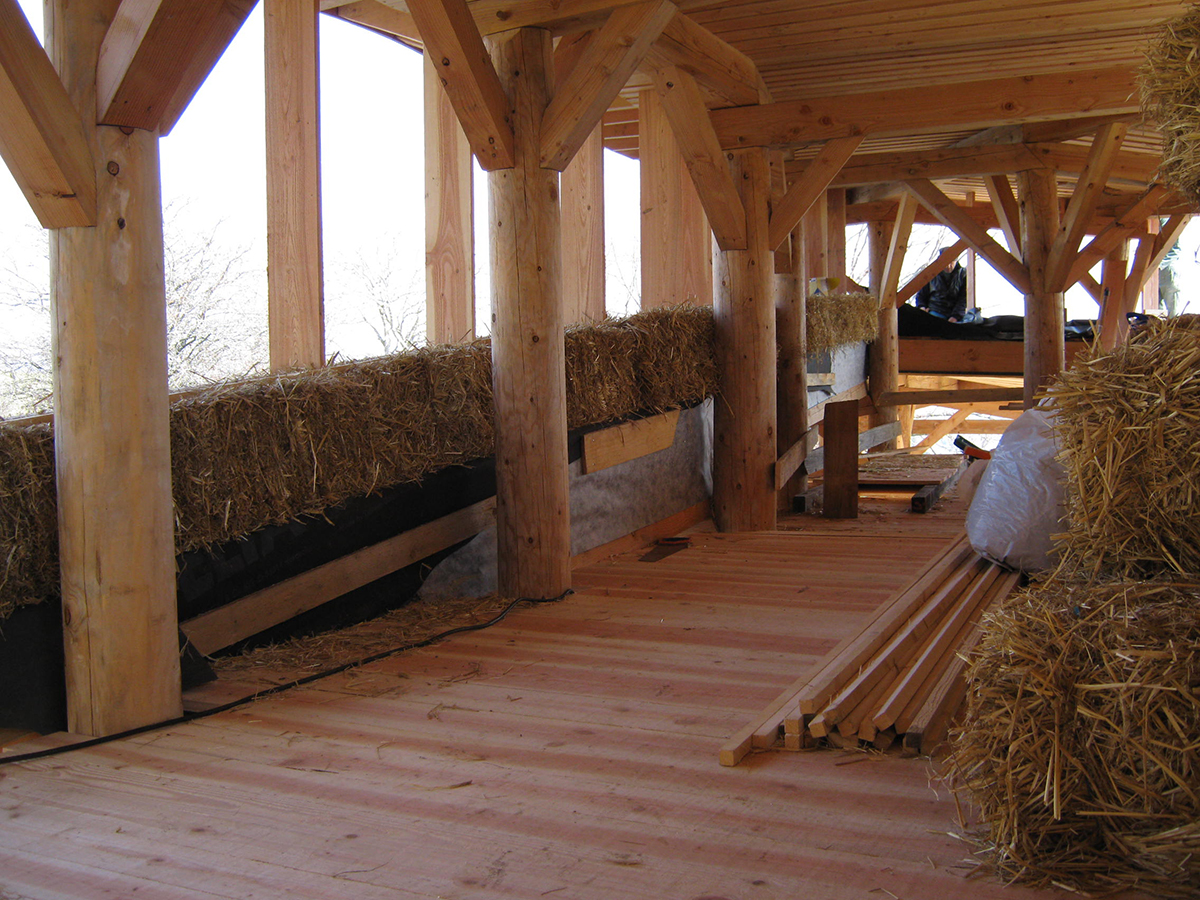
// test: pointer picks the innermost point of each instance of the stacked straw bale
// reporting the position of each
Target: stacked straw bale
(1128, 426)
(834, 320)
(271, 450)
(1170, 89)
(1081, 739)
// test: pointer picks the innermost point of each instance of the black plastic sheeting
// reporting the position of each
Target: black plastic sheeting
(913, 322)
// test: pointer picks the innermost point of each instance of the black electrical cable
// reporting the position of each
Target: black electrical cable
(279, 688)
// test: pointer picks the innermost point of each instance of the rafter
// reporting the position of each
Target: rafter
(974, 104)
(953, 162)
(612, 55)
(811, 184)
(1105, 146)
(952, 216)
(684, 106)
(462, 63)
(1008, 211)
(41, 134)
(927, 274)
(155, 56)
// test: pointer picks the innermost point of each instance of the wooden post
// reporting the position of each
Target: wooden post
(841, 460)
(883, 361)
(583, 232)
(449, 220)
(528, 360)
(835, 214)
(295, 292)
(814, 250)
(112, 441)
(1112, 321)
(791, 398)
(676, 240)
(1150, 301)
(1044, 320)
(744, 448)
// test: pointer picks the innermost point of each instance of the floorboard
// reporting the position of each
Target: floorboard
(567, 752)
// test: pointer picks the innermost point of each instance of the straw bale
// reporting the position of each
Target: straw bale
(28, 516)
(834, 320)
(1128, 426)
(274, 449)
(1169, 80)
(1079, 743)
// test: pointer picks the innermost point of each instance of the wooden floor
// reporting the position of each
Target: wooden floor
(569, 752)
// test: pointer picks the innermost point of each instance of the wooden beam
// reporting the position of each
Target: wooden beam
(1008, 212)
(885, 211)
(582, 191)
(744, 446)
(612, 55)
(676, 241)
(378, 16)
(706, 163)
(922, 278)
(805, 190)
(630, 440)
(42, 137)
(965, 426)
(1169, 233)
(155, 56)
(896, 251)
(835, 211)
(1132, 168)
(452, 40)
(718, 66)
(953, 162)
(1069, 129)
(1092, 286)
(528, 369)
(1137, 272)
(883, 354)
(449, 220)
(939, 398)
(112, 433)
(814, 461)
(1127, 223)
(1112, 321)
(295, 282)
(952, 216)
(1045, 350)
(255, 613)
(1091, 183)
(972, 104)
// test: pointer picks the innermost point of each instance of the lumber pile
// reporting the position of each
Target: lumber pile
(901, 679)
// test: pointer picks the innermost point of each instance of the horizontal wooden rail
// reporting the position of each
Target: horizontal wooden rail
(220, 628)
(936, 398)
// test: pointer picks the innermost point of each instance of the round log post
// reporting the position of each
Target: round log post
(744, 314)
(528, 363)
(1044, 316)
(112, 440)
(883, 364)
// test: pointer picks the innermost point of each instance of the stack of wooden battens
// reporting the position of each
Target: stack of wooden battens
(901, 678)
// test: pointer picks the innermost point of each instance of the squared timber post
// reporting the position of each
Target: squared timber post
(744, 447)
(583, 232)
(676, 241)
(1044, 313)
(112, 438)
(883, 360)
(295, 282)
(528, 356)
(449, 220)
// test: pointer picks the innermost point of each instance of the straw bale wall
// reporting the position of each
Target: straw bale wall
(270, 450)
(834, 320)
(1170, 91)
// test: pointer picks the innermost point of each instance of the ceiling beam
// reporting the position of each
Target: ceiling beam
(719, 67)
(42, 139)
(1068, 129)
(885, 211)
(155, 56)
(461, 61)
(935, 164)
(953, 217)
(381, 17)
(609, 58)
(973, 104)
(808, 187)
(1084, 199)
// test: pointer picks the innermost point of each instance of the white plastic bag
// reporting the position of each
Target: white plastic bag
(1019, 501)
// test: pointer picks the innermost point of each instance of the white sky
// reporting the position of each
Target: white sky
(213, 163)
